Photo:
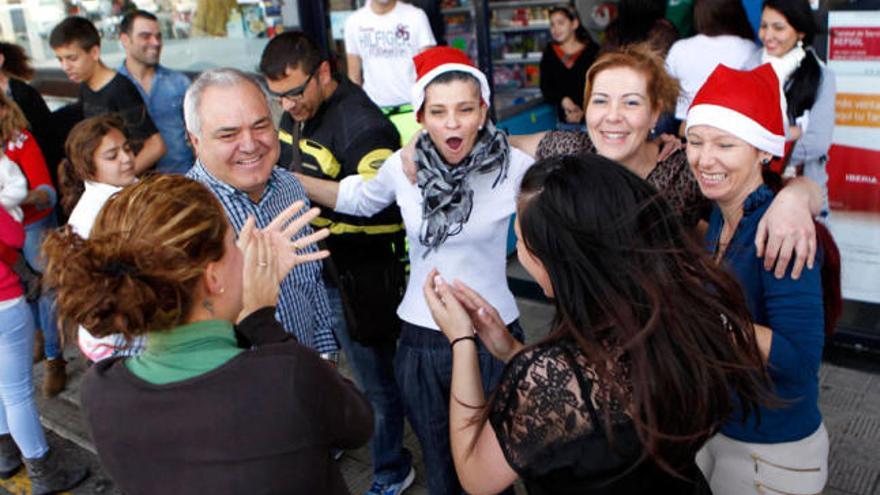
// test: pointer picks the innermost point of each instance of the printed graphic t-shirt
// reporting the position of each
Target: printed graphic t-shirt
(386, 45)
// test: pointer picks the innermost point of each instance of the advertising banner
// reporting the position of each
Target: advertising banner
(854, 158)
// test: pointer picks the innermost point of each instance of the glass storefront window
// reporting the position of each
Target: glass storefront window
(198, 34)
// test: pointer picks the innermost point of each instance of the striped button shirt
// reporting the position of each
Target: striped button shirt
(303, 308)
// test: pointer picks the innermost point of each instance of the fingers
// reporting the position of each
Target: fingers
(247, 230)
(300, 222)
(315, 256)
(282, 218)
(811, 251)
(430, 291)
(761, 238)
(784, 257)
(310, 239)
(771, 250)
(801, 250)
(476, 299)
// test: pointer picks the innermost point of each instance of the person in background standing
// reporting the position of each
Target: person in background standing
(787, 31)
(331, 130)
(724, 36)
(639, 21)
(381, 38)
(39, 217)
(564, 65)
(161, 88)
(77, 45)
(16, 71)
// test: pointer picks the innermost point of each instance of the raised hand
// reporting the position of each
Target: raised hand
(281, 233)
(446, 310)
(260, 280)
(487, 322)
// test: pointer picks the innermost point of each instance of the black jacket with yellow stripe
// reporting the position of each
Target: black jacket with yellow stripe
(348, 135)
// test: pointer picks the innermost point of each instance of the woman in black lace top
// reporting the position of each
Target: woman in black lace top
(648, 339)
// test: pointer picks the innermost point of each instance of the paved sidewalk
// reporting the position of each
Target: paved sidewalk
(849, 398)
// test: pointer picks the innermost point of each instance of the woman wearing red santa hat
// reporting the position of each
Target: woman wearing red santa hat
(735, 126)
(456, 218)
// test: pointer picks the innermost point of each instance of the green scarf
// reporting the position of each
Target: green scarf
(185, 352)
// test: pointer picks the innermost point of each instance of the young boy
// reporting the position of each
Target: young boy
(77, 45)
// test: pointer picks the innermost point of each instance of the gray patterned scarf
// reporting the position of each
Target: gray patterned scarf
(447, 198)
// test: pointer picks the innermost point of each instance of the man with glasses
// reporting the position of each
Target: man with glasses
(330, 129)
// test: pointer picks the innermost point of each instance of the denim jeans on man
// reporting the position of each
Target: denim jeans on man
(373, 368)
(424, 372)
(43, 308)
(18, 411)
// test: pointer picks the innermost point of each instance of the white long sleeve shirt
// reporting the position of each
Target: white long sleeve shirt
(477, 255)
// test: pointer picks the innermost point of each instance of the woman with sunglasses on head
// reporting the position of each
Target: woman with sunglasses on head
(734, 127)
(564, 64)
(456, 218)
(633, 376)
(627, 90)
(787, 31)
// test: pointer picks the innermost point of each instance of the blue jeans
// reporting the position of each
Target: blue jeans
(373, 368)
(424, 371)
(18, 414)
(43, 308)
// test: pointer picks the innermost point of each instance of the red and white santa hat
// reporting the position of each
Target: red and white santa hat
(747, 104)
(438, 60)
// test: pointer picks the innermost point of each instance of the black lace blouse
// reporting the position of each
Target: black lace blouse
(548, 415)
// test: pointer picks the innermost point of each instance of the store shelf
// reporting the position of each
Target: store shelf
(519, 29)
(522, 4)
(518, 60)
(456, 10)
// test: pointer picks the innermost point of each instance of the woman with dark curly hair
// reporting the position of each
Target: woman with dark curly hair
(633, 377)
(209, 406)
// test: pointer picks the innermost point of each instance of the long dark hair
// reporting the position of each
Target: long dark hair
(803, 84)
(635, 19)
(632, 287)
(16, 62)
(568, 11)
(720, 17)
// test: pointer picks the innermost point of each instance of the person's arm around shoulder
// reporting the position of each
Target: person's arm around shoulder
(527, 143)
(354, 195)
(786, 233)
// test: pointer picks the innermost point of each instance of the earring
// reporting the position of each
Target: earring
(765, 162)
(222, 290)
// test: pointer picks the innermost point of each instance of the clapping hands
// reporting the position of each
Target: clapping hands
(460, 311)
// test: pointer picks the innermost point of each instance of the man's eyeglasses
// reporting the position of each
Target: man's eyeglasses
(295, 94)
